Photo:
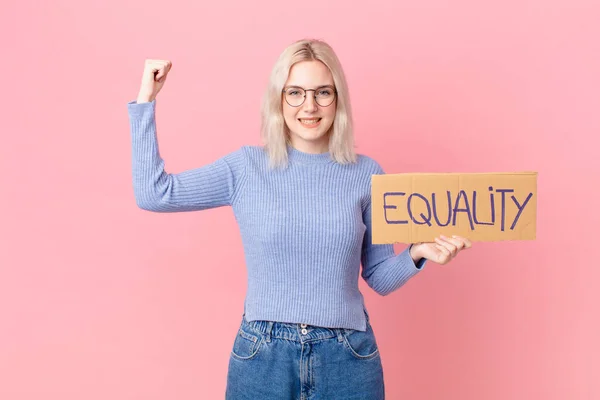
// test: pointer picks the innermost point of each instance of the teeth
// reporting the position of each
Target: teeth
(309, 121)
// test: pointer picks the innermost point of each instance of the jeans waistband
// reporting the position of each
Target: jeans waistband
(295, 332)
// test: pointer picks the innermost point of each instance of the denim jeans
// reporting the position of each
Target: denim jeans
(283, 361)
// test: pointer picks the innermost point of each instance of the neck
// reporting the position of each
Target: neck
(299, 156)
(311, 147)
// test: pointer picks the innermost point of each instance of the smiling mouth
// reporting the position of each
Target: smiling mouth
(309, 121)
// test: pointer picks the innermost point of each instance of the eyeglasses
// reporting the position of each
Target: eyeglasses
(295, 95)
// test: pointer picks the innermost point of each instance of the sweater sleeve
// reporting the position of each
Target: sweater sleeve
(383, 269)
(212, 185)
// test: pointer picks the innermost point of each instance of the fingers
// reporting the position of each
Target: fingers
(458, 241)
(443, 250)
(158, 68)
(153, 79)
(448, 248)
(467, 242)
(445, 254)
(162, 72)
(448, 244)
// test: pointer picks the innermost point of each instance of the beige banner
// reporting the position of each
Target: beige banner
(411, 208)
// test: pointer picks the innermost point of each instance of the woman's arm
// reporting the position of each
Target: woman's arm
(212, 185)
(382, 269)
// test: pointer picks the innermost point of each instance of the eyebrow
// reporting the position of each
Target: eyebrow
(298, 86)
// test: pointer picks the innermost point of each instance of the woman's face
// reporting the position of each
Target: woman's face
(309, 123)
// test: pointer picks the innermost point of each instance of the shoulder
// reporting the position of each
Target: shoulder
(246, 153)
(254, 158)
(254, 151)
(368, 164)
(366, 167)
(255, 155)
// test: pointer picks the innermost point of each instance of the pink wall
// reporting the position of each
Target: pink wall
(101, 300)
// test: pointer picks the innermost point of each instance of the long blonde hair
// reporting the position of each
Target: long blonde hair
(274, 131)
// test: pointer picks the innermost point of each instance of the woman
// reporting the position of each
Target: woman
(303, 206)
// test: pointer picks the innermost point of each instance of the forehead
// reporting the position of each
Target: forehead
(309, 74)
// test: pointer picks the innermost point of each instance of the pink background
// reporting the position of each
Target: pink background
(101, 300)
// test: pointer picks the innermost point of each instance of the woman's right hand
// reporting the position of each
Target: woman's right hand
(153, 79)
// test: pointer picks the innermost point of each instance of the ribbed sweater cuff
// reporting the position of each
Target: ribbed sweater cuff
(141, 109)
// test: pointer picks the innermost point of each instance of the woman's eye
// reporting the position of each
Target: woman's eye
(325, 92)
(293, 92)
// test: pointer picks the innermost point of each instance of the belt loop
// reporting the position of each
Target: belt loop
(340, 335)
(268, 331)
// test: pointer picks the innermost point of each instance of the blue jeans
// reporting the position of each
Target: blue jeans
(281, 361)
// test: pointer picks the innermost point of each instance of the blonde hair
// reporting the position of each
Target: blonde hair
(274, 130)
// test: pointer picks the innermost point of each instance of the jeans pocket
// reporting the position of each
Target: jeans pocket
(246, 344)
(362, 345)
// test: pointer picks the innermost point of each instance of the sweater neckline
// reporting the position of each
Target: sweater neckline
(295, 155)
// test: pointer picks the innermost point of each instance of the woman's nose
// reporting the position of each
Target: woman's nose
(310, 103)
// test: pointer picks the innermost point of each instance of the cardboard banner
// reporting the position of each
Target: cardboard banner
(412, 208)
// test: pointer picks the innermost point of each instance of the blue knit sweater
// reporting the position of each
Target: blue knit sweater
(305, 229)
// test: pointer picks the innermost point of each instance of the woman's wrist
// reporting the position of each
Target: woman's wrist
(144, 98)
(415, 252)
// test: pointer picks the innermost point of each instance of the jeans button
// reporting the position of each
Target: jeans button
(303, 325)
(304, 331)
